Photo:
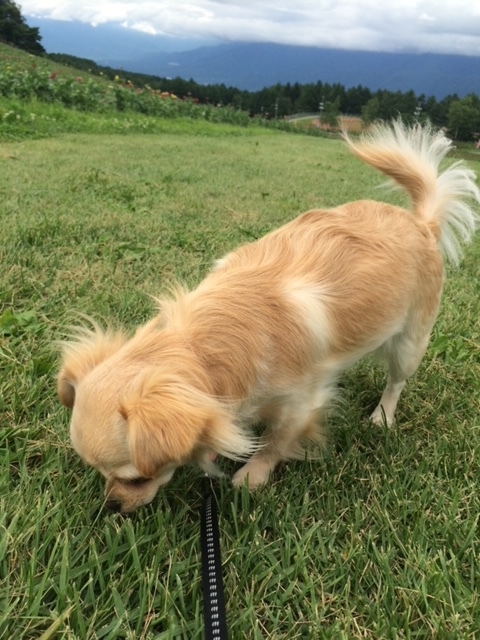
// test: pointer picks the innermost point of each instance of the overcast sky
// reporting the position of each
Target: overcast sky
(439, 26)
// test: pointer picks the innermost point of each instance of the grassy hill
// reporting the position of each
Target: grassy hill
(377, 540)
(34, 92)
(19, 60)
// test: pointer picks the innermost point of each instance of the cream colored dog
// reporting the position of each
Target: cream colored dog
(266, 335)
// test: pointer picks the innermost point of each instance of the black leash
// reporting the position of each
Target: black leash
(212, 582)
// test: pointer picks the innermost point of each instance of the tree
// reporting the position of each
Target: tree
(464, 118)
(356, 98)
(371, 111)
(14, 30)
(310, 98)
(331, 113)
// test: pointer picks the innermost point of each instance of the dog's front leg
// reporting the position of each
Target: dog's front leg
(257, 470)
(282, 440)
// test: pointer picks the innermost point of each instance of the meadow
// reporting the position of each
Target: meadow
(379, 539)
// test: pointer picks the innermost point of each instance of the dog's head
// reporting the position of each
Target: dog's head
(135, 422)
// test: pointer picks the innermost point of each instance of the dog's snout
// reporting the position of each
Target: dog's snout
(113, 505)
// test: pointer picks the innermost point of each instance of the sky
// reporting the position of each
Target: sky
(435, 26)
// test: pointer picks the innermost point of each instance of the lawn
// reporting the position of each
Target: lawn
(377, 540)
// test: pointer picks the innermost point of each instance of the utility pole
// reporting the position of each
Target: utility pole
(321, 107)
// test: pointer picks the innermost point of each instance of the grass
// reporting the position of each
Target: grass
(14, 58)
(378, 540)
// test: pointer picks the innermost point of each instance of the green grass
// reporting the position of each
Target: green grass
(14, 58)
(378, 540)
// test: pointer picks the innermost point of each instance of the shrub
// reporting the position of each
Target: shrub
(96, 95)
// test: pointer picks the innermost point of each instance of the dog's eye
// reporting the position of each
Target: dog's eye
(134, 482)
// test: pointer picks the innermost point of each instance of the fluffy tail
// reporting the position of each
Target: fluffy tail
(411, 157)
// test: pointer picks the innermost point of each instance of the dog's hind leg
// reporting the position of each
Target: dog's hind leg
(403, 353)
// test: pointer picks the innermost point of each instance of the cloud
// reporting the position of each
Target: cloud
(439, 26)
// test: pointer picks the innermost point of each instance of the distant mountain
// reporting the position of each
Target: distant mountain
(253, 66)
(106, 44)
(257, 65)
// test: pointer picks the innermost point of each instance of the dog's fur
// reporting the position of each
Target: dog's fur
(265, 336)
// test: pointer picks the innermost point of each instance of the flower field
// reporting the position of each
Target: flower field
(31, 79)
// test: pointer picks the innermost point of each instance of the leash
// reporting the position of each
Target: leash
(212, 583)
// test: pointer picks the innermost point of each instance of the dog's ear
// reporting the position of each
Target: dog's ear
(168, 419)
(81, 355)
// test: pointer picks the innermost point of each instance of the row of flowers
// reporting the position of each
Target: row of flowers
(89, 94)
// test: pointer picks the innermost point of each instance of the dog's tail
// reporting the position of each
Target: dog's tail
(411, 157)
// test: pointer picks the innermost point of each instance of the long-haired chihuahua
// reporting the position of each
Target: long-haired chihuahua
(265, 336)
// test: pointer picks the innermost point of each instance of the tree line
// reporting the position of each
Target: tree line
(461, 116)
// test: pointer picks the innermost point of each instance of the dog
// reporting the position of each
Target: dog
(266, 335)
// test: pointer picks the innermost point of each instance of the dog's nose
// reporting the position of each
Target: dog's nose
(113, 505)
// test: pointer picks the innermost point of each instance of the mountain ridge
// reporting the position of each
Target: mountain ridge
(253, 66)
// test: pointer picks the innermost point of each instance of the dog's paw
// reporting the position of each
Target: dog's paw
(379, 417)
(253, 474)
